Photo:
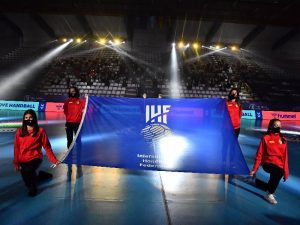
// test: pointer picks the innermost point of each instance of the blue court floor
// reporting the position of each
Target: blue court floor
(109, 196)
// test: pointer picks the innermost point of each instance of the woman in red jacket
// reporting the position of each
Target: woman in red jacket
(235, 110)
(272, 154)
(29, 140)
(73, 110)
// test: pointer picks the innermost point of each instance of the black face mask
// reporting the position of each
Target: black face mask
(231, 97)
(28, 122)
(276, 129)
(73, 95)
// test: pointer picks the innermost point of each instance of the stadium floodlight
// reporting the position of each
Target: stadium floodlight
(117, 41)
(181, 44)
(195, 45)
(234, 48)
(102, 41)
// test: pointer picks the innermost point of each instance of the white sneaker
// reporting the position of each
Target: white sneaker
(270, 198)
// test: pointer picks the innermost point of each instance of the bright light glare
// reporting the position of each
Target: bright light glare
(171, 148)
(78, 40)
(173, 143)
(117, 41)
(102, 41)
(24, 72)
(195, 46)
(180, 44)
(174, 75)
(234, 48)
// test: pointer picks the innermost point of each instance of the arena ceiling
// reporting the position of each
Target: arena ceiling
(260, 12)
(266, 24)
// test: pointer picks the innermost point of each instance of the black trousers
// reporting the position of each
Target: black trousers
(71, 129)
(28, 172)
(276, 173)
(237, 132)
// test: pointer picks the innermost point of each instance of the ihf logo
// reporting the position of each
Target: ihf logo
(156, 120)
(157, 113)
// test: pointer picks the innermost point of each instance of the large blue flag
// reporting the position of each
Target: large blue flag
(188, 135)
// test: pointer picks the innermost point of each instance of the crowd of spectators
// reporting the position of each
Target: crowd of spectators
(217, 72)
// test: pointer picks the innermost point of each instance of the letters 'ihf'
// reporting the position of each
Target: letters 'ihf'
(157, 113)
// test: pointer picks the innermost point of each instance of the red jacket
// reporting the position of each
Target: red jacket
(235, 112)
(28, 148)
(73, 109)
(272, 150)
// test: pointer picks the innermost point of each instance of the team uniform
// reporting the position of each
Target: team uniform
(235, 112)
(28, 155)
(73, 109)
(272, 154)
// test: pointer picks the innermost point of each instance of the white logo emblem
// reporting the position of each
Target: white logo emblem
(157, 113)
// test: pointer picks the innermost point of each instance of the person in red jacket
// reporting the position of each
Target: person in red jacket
(235, 110)
(272, 154)
(73, 109)
(29, 140)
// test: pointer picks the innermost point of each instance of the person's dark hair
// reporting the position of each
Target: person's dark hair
(270, 127)
(237, 96)
(24, 131)
(77, 95)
